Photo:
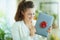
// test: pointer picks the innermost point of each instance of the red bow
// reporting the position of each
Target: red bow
(43, 24)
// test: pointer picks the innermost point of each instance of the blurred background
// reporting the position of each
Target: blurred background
(8, 10)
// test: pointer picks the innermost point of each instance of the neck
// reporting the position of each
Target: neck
(27, 22)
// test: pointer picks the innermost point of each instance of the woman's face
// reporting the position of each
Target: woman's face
(29, 14)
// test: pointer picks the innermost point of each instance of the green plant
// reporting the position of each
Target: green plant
(2, 34)
(55, 25)
(55, 17)
(8, 38)
(36, 14)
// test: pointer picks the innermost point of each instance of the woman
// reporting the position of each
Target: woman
(23, 28)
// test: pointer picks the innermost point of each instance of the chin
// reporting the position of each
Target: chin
(30, 20)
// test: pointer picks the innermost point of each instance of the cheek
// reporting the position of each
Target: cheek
(26, 16)
(30, 17)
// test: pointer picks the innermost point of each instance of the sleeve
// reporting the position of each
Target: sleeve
(39, 37)
(14, 32)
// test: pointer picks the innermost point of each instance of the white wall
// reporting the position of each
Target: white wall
(59, 13)
(10, 10)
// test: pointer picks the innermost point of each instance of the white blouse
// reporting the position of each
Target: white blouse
(21, 32)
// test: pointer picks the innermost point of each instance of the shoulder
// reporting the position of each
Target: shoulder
(16, 24)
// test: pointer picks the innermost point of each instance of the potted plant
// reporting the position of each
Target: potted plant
(2, 34)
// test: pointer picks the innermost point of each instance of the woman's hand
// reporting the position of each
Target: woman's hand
(49, 30)
(32, 30)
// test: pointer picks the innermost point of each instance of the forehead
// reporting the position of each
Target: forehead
(30, 10)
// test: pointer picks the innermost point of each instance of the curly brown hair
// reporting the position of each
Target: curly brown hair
(21, 7)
